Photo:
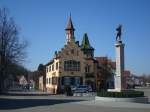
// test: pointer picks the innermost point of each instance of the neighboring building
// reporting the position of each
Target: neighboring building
(9, 81)
(127, 77)
(106, 70)
(37, 79)
(33, 77)
(138, 80)
(42, 85)
(73, 65)
(31, 84)
(106, 61)
(128, 82)
(22, 80)
(42, 77)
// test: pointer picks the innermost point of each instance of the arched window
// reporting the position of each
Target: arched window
(71, 65)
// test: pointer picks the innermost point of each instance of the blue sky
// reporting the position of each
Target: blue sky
(42, 23)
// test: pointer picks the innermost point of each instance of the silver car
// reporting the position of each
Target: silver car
(83, 89)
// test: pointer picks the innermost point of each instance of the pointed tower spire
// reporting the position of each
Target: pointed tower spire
(85, 42)
(70, 30)
(86, 47)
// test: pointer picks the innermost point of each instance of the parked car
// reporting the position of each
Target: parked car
(73, 88)
(83, 89)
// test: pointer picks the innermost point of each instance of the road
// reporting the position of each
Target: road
(60, 103)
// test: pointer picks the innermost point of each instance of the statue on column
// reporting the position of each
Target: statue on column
(119, 32)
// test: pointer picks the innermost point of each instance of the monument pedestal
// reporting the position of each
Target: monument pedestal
(117, 81)
(118, 78)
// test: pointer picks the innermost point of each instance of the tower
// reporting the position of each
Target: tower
(86, 47)
(70, 31)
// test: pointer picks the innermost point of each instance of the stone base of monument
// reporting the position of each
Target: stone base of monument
(113, 99)
(114, 90)
(118, 90)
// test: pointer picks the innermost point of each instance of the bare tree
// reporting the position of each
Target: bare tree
(12, 50)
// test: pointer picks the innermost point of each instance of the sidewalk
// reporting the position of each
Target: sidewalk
(115, 104)
(26, 93)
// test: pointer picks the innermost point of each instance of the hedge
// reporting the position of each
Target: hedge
(123, 94)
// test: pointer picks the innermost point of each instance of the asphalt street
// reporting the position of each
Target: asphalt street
(61, 103)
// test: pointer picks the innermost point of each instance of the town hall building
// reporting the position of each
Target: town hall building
(72, 65)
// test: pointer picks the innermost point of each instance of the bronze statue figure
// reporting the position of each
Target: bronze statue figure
(119, 31)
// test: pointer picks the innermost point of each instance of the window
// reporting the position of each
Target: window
(57, 66)
(49, 68)
(67, 53)
(49, 80)
(46, 80)
(77, 53)
(72, 51)
(53, 67)
(70, 80)
(66, 80)
(87, 68)
(46, 69)
(54, 80)
(71, 65)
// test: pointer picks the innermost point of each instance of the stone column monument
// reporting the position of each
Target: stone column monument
(119, 66)
(119, 46)
(118, 78)
(119, 82)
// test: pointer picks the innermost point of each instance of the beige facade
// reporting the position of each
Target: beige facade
(41, 85)
(22, 80)
(73, 65)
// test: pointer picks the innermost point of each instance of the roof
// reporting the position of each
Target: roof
(70, 25)
(126, 73)
(50, 62)
(20, 77)
(104, 60)
(85, 42)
